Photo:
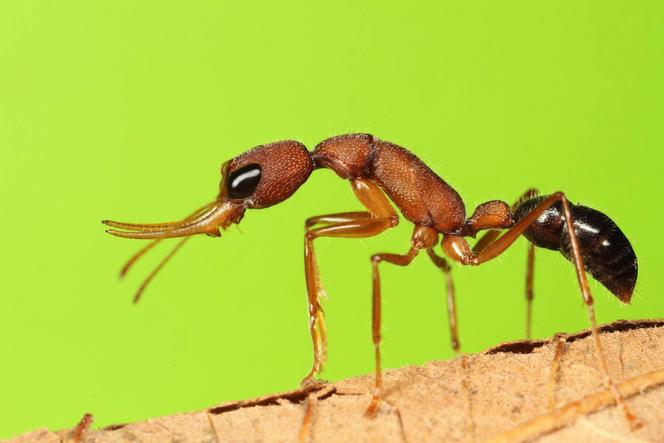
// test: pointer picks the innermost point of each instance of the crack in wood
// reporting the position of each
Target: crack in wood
(297, 396)
(528, 346)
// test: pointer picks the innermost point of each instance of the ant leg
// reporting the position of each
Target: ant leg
(395, 259)
(492, 235)
(329, 219)
(352, 229)
(485, 240)
(81, 429)
(381, 217)
(530, 267)
(501, 244)
(530, 264)
(554, 371)
(441, 263)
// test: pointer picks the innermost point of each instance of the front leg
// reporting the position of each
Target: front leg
(379, 217)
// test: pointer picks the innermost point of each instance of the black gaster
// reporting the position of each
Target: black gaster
(607, 253)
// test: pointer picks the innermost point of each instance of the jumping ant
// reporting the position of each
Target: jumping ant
(380, 172)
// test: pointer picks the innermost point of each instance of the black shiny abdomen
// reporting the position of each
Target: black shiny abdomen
(607, 253)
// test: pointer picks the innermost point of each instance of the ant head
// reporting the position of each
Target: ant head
(261, 177)
(265, 175)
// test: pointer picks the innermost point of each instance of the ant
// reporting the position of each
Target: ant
(380, 171)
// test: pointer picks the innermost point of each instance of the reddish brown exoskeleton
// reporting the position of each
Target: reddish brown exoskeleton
(378, 172)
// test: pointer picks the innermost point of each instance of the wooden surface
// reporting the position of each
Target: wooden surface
(511, 392)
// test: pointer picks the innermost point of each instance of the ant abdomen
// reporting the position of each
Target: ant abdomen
(607, 253)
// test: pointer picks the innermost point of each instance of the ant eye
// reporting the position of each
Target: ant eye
(243, 182)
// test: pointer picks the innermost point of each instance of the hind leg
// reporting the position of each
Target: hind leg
(490, 236)
(395, 259)
(530, 265)
(458, 249)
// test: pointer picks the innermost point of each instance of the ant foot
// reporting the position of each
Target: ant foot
(371, 410)
(309, 382)
(78, 433)
(634, 423)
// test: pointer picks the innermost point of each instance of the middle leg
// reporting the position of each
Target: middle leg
(423, 238)
(395, 259)
(491, 235)
(530, 264)
(441, 263)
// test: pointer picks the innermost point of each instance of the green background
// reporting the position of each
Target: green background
(126, 110)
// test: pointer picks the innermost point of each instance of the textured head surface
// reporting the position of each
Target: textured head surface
(284, 167)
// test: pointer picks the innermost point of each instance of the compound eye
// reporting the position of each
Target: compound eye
(243, 182)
